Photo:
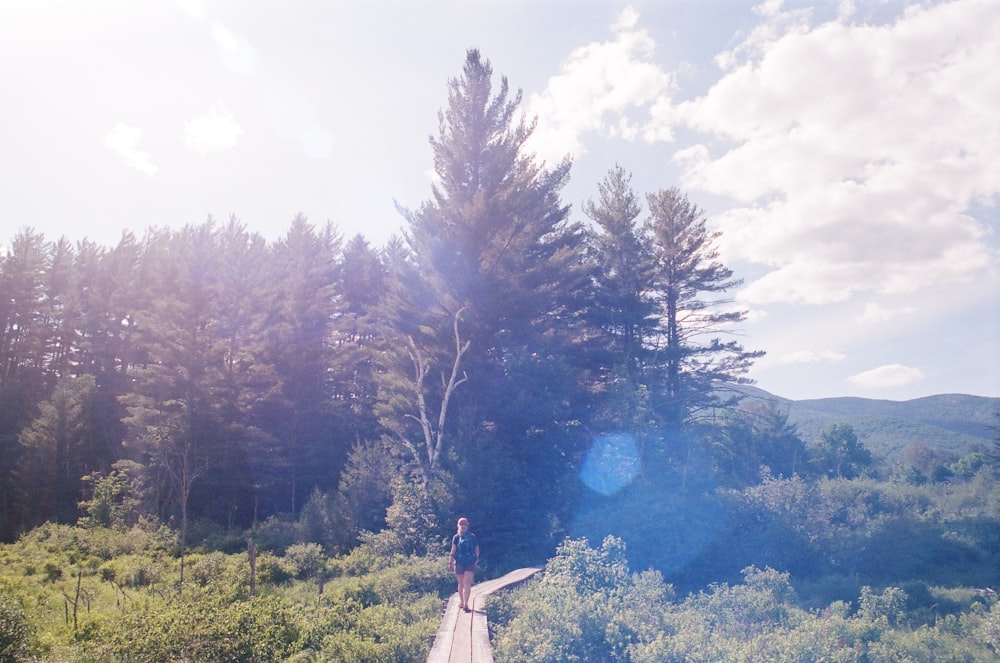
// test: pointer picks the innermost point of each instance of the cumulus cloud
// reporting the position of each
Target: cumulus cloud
(215, 131)
(600, 86)
(123, 140)
(854, 152)
(890, 375)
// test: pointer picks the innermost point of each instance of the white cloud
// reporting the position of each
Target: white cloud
(123, 140)
(812, 357)
(599, 85)
(875, 313)
(854, 152)
(215, 131)
(890, 375)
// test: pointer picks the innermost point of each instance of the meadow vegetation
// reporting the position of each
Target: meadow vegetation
(831, 569)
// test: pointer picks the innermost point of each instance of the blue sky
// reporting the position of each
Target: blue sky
(848, 151)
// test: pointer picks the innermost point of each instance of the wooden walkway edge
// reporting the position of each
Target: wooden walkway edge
(464, 637)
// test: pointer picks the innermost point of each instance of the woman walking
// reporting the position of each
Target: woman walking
(463, 559)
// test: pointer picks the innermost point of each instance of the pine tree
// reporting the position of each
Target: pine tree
(623, 308)
(307, 306)
(55, 456)
(24, 381)
(688, 281)
(494, 242)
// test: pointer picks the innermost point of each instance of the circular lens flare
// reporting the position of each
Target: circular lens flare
(611, 463)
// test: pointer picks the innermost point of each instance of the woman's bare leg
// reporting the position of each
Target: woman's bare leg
(465, 589)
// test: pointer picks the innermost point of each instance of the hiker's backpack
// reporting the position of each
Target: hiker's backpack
(465, 553)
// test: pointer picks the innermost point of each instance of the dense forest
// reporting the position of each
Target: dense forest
(556, 380)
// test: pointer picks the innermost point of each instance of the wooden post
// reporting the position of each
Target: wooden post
(252, 552)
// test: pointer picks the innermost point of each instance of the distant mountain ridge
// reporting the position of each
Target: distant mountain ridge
(955, 423)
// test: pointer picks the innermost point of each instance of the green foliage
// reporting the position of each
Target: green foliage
(14, 630)
(377, 633)
(839, 453)
(305, 560)
(259, 630)
(127, 608)
(414, 517)
(990, 628)
(56, 451)
(111, 503)
(877, 533)
(586, 569)
(637, 619)
(577, 612)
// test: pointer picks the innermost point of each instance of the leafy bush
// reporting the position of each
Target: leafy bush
(132, 571)
(378, 633)
(259, 630)
(591, 612)
(305, 560)
(569, 615)
(14, 631)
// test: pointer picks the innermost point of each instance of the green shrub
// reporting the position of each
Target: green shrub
(275, 534)
(572, 614)
(305, 560)
(14, 631)
(259, 630)
(131, 571)
(380, 633)
(271, 569)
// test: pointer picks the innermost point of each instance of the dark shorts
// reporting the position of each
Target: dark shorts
(460, 568)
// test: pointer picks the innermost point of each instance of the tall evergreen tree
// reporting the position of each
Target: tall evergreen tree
(23, 333)
(60, 317)
(23, 339)
(307, 305)
(623, 309)
(494, 242)
(174, 411)
(108, 286)
(689, 281)
(363, 288)
(248, 383)
(57, 453)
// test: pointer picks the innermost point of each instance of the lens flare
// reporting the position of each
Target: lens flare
(611, 463)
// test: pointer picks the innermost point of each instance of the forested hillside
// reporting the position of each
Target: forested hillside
(952, 424)
(172, 405)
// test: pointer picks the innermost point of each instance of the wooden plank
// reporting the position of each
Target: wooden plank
(481, 652)
(445, 638)
(464, 637)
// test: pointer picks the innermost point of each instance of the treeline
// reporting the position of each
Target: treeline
(211, 369)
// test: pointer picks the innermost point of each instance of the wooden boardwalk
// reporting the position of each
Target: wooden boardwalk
(463, 637)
